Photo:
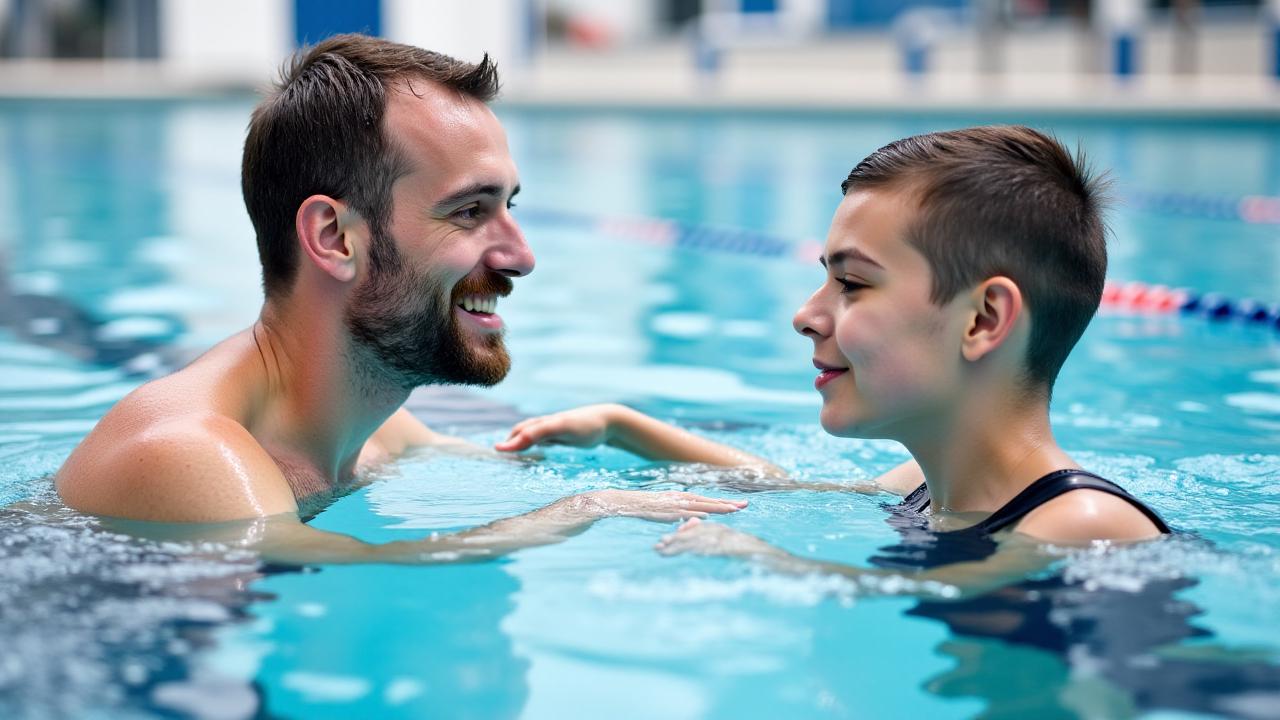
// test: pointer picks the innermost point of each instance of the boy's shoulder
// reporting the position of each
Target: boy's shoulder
(1085, 515)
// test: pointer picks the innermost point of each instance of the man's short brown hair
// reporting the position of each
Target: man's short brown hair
(1004, 200)
(320, 132)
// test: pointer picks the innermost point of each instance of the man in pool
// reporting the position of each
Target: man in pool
(962, 267)
(379, 184)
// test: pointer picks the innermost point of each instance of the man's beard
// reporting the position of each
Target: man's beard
(398, 317)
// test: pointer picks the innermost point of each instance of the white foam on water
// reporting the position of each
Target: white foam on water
(1255, 402)
(1266, 376)
(317, 687)
(685, 325)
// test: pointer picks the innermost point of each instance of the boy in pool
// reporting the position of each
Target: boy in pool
(961, 268)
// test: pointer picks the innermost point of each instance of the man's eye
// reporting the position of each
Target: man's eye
(471, 212)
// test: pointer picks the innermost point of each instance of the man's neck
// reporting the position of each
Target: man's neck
(321, 405)
(989, 451)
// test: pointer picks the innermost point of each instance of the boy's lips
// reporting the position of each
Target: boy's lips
(826, 373)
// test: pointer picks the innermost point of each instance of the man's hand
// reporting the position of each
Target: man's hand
(670, 506)
(584, 427)
(714, 539)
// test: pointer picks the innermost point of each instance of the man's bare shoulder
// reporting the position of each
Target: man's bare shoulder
(1084, 515)
(151, 459)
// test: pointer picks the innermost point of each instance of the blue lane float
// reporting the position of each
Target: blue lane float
(1253, 209)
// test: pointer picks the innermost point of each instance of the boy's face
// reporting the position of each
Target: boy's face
(889, 359)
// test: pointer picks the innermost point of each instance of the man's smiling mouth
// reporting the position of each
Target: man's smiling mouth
(479, 304)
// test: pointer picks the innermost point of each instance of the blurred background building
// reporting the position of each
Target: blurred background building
(810, 52)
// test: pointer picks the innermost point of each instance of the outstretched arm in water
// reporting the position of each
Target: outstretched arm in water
(627, 429)
(1078, 518)
(1018, 557)
(284, 539)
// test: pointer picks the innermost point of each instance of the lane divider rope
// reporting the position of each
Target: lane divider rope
(1254, 209)
(1122, 296)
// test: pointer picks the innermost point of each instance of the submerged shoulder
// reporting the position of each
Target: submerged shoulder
(903, 479)
(176, 468)
(1085, 515)
(399, 433)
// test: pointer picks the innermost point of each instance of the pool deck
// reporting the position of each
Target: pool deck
(1050, 72)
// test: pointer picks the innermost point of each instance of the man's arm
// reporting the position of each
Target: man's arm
(284, 539)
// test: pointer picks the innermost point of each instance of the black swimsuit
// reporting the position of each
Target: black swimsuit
(1036, 494)
(922, 547)
(1113, 632)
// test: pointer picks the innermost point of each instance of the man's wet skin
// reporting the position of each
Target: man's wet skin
(282, 417)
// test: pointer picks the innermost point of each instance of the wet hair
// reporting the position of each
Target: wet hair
(1011, 201)
(319, 131)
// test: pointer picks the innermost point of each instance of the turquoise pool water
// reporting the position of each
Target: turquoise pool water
(127, 249)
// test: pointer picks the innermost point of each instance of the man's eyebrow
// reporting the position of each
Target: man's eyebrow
(842, 256)
(471, 192)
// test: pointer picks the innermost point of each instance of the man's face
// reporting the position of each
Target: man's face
(889, 358)
(428, 312)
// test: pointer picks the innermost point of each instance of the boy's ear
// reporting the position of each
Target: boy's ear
(328, 232)
(996, 306)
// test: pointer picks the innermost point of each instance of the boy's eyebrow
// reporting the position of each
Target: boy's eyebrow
(471, 191)
(841, 256)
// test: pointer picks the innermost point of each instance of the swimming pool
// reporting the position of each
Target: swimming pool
(127, 250)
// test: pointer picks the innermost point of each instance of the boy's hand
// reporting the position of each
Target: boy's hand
(585, 427)
(714, 539)
(670, 506)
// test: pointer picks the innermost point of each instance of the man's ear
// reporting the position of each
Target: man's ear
(996, 306)
(327, 231)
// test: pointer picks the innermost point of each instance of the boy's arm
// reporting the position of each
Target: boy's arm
(1016, 558)
(630, 430)
(402, 431)
(635, 432)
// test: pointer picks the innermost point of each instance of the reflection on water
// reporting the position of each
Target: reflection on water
(433, 642)
(97, 621)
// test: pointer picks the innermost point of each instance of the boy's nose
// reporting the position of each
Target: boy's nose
(810, 321)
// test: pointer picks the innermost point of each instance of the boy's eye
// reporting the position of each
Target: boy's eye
(848, 286)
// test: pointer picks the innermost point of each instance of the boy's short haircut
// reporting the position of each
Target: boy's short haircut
(320, 132)
(1004, 200)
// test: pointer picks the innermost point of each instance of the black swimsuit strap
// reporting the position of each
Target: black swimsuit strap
(1040, 492)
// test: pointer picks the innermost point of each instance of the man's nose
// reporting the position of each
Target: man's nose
(811, 320)
(510, 255)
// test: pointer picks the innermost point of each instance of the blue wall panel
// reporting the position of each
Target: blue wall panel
(315, 20)
(878, 13)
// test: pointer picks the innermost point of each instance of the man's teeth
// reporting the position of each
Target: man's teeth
(480, 304)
